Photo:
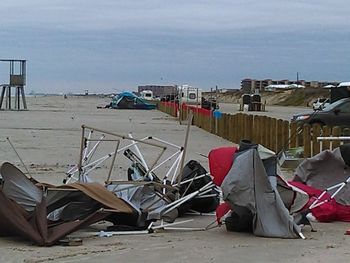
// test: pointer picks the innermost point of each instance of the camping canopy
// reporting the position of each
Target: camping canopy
(324, 170)
(128, 100)
(247, 186)
(27, 210)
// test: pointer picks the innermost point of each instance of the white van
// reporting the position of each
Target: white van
(147, 95)
(189, 95)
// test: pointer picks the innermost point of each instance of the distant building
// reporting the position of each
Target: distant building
(159, 90)
(253, 85)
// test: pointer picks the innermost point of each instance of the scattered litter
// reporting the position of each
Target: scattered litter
(105, 234)
(70, 242)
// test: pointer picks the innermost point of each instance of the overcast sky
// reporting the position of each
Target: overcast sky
(111, 45)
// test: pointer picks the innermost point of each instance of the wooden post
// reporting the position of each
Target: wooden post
(23, 98)
(207, 121)
(265, 131)
(307, 140)
(336, 132)
(279, 138)
(260, 124)
(273, 137)
(245, 125)
(255, 129)
(293, 135)
(248, 127)
(240, 125)
(299, 135)
(234, 128)
(327, 132)
(285, 135)
(316, 132)
(222, 126)
(268, 132)
(228, 126)
(230, 129)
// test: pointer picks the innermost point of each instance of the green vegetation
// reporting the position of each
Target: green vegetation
(303, 97)
(298, 97)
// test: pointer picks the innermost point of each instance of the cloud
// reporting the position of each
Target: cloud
(162, 15)
(73, 44)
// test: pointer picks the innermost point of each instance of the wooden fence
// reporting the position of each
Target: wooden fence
(275, 134)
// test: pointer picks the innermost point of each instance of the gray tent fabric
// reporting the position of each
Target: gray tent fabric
(19, 188)
(143, 198)
(324, 170)
(294, 199)
(247, 185)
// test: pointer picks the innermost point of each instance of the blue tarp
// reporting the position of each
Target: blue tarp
(128, 100)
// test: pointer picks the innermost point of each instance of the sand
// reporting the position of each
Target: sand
(47, 137)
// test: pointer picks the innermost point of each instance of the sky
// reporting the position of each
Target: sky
(110, 45)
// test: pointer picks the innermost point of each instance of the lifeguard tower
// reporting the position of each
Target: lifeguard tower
(17, 81)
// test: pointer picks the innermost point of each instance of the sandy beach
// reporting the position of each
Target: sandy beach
(47, 137)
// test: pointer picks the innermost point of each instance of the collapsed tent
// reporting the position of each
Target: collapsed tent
(325, 178)
(247, 188)
(44, 214)
(155, 201)
(154, 196)
(128, 100)
(260, 200)
(194, 178)
(146, 198)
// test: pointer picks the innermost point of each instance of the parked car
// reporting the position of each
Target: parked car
(170, 98)
(210, 104)
(335, 114)
(320, 103)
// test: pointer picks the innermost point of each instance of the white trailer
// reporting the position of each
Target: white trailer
(147, 95)
(189, 95)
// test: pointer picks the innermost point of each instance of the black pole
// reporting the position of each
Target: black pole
(297, 79)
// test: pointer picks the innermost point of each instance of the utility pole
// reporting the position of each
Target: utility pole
(297, 79)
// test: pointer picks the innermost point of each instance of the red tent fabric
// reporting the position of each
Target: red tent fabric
(220, 162)
(327, 212)
(221, 211)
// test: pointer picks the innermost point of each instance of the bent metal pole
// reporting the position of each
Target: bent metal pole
(182, 163)
(19, 157)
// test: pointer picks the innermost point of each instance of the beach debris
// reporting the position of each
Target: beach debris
(45, 214)
(128, 100)
(245, 173)
(255, 195)
(142, 203)
(329, 195)
(69, 241)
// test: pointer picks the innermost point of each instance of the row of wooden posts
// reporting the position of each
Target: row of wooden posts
(275, 134)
